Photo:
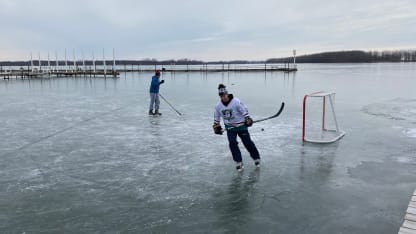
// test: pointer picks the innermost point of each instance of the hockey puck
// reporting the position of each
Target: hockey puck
(262, 129)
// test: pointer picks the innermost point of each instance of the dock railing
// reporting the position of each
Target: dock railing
(101, 70)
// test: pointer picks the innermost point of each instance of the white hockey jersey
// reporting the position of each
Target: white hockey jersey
(233, 114)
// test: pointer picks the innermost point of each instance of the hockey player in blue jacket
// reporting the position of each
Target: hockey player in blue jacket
(154, 94)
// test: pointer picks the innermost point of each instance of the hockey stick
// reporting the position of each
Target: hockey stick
(273, 116)
(179, 113)
(267, 118)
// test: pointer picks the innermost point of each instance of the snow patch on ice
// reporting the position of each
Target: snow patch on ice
(410, 132)
(396, 109)
(404, 160)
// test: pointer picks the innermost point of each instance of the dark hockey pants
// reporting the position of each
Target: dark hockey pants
(247, 142)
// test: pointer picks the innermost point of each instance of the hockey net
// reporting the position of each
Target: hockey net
(319, 120)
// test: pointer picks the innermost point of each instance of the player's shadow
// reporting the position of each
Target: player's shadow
(234, 205)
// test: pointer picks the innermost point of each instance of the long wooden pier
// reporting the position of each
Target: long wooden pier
(409, 223)
(104, 68)
(224, 67)
(232, 70)
(114, 71)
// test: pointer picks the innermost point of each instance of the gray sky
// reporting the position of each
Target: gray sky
(204, 30)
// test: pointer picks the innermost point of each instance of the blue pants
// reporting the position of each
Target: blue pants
(247, 142)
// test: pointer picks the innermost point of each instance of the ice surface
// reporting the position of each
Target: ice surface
(81, 155)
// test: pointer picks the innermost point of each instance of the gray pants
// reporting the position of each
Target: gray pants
(154, 100)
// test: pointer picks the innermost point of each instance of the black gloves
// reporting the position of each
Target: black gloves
(248, 121)
(162, 81)
(217, 128)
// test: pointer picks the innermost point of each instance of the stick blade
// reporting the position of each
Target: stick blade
(282, 106)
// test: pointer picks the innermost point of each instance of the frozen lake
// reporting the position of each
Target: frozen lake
(81, 155)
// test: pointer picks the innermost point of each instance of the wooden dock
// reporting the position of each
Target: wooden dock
(232, 70)
(27, 74)
(205, 68)
(409, 224)
(115, 70)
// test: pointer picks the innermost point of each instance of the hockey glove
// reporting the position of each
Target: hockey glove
(248, 121)
(217, 128)
(162, 81)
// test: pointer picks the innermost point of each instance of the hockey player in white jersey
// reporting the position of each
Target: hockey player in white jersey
(236, 120)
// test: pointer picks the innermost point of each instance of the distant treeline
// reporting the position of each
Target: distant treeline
(353, 56)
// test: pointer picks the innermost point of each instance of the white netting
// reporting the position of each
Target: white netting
(320, 124)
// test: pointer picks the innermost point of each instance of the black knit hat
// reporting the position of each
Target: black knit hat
(222, 90)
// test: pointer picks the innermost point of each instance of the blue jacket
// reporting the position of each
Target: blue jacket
(154, 85)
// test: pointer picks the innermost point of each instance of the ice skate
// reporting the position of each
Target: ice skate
(239, 166)
(257, 163)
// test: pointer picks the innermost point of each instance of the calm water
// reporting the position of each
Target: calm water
(81, 155)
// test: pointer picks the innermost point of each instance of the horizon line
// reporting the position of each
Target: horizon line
(211, 61)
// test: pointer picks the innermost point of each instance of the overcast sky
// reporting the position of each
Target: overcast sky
(204, 30)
